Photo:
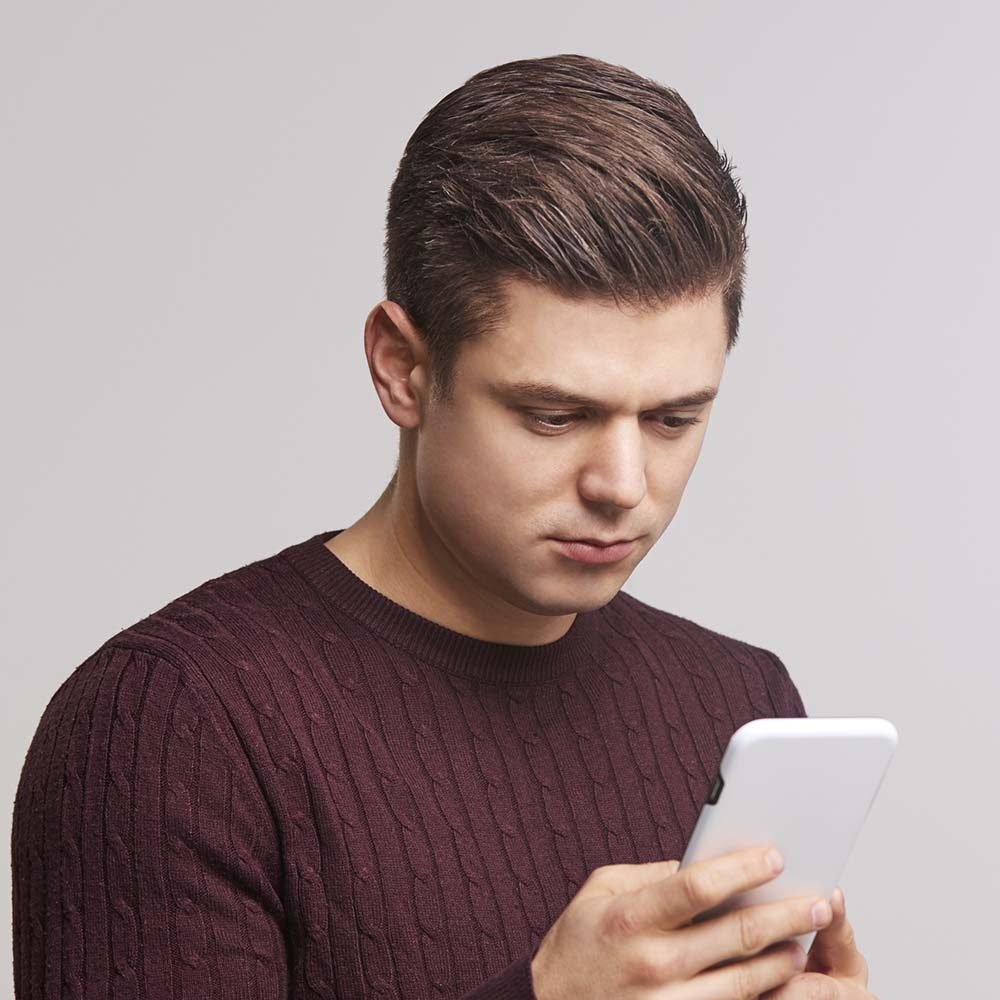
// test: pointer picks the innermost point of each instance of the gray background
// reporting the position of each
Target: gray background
(192, 207)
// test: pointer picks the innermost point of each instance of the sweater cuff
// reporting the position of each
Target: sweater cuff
(512, 983)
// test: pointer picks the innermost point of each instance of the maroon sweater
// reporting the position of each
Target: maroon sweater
(284, 784)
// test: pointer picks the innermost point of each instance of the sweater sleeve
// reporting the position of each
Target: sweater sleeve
(512, 983)
(143, 852)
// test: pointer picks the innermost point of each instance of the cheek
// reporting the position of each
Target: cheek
(468, 470)
(502, 459)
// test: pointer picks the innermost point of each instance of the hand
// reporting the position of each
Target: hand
(835, 970)
(628, 933)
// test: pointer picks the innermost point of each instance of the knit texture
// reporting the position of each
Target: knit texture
(285, 785)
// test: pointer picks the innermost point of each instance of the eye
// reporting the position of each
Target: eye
(673, 422)
(682, 421)
(544, 420)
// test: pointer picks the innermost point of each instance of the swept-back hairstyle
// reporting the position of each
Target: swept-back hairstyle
(566, 171)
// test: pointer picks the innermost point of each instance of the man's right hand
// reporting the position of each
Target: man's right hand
(628, 933)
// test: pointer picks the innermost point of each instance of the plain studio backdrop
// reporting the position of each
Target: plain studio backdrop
(191, 222)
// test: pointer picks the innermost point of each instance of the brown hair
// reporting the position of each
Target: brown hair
(567, 171)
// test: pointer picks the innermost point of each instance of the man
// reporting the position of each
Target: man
(441, 753)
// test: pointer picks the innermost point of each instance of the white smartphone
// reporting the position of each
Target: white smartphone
(805, 785)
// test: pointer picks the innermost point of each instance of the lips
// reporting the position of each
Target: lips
(597, 541)
(583, 551)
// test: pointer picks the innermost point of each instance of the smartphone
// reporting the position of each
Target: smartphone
(804, 785)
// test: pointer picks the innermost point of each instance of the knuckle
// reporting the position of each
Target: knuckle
(675, 965)
(746, 982)
(644, 968)
(619, 921)
(656, 968)
(700, 888)
(750, 932)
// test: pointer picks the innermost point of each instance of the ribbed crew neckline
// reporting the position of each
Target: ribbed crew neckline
(435, 644)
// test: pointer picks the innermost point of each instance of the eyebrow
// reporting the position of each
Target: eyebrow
(547, 392)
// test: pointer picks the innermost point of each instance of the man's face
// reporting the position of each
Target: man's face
(501, 474)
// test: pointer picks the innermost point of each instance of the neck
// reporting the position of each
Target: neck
(393, 549)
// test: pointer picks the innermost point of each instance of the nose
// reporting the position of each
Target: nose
(614, 473)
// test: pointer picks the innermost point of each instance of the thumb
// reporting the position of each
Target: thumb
(834, 950)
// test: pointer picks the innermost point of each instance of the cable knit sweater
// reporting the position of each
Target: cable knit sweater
(285, 785)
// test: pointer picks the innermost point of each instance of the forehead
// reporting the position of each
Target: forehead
(617, 355)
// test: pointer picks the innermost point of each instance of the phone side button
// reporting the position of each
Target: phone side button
(716, 791)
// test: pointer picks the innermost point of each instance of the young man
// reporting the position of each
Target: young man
(441, 753)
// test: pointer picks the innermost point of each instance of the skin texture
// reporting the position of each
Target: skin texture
(465, 540)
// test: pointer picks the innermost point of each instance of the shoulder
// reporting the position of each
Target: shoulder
(210, 605)
(225, 625)
(176, 680)
(195, 658)
(700, 648)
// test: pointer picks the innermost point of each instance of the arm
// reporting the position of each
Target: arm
(143, 853)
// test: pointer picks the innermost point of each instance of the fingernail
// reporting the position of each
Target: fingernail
(821, 914)
(839, 893)
(775, 861)
(799, 958)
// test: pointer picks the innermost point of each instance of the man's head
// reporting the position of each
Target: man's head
(561, 221)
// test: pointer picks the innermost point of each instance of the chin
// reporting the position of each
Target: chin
(568, 598)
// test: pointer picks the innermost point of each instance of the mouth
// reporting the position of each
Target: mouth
(602, 543)
(585, 550)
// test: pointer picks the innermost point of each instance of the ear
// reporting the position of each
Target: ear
(397, 362)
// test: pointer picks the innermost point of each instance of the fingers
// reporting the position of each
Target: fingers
(747, 931)
(618, 879)
(676, 901)
(748, 980)
(834, 950)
